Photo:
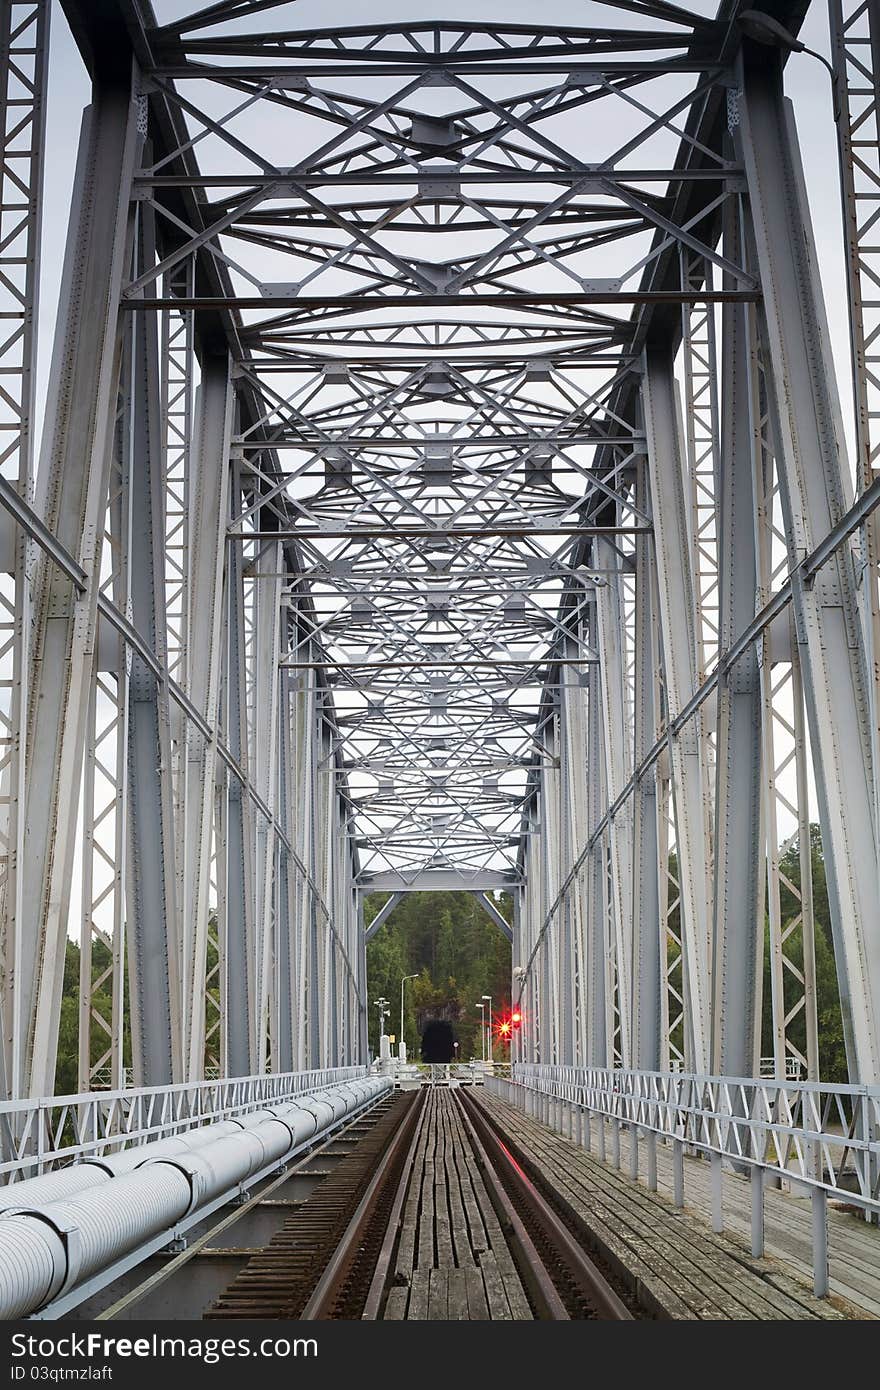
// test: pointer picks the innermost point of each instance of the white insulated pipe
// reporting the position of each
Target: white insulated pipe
(59, 1229)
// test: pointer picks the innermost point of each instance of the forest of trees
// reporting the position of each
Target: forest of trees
(460, 955)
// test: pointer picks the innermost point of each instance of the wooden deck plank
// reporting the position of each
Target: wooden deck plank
(478, 1308)
(457, 1295)
(729, 1280)
(496, 1297)
(674, 1253)
(460, 1229)
(854, 1245)
(395, 1305)
(417, 1309)
(438, 1295)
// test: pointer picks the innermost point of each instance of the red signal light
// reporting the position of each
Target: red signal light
(504, 1028)
(516, 1018)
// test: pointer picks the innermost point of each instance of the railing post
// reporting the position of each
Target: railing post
(678, 1172)
(715, 1179)
(615, 1142)
(820, 1242)
(757, 1211)
(651, 1138)
(634, 1153)
(587, 1129)
(601, 1119)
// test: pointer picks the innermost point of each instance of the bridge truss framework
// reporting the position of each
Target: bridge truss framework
(442, 484)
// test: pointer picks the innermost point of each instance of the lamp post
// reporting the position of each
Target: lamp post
(489, 1030)
(382, 1006)
(482, 1009)
(402, 983)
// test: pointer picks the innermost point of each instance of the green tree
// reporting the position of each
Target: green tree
(67, 1064)
(832, 1053)
(459, 955)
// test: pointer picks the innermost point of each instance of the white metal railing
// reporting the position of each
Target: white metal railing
(38, 1135)
(793, 1070)
(824, 1136)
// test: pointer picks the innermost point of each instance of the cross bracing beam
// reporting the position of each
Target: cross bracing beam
(411, 584)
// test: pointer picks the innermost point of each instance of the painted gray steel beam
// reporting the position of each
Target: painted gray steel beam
(738, 909)
(382, 915)
(264, 757)
(210, 492)
(815, 494)
(437, 881)
(285, 925)
(72, 492)
(239, 963)
(151, 900)
(568, 771)
(645, 904)
(676, 611)
(491, 910)
(612, 635)
(597, 987)
(24, 49)
(362, 1019)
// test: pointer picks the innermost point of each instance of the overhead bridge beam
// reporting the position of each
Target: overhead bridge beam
(489, 907)
(439, 881)
(382, 916)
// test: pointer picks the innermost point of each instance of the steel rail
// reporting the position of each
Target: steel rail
(389, 1242)
(329, 1286)
(498, 1163)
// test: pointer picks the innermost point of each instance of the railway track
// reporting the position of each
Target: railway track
(431, 1216)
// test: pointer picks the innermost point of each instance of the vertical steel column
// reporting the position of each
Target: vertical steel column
(209, 514)
(678, 646)
(738, 915)
(645, 901)
(105, 783)
(618, 763)
(267, 580)
(576, 794)
(238, 956)
(285, 939)
(597, 984)
(24, 56)
(550, 818)
(73, 487)
(807, 438)
(363, 1045)
(151, 906)
(855, 53)
(571, 779)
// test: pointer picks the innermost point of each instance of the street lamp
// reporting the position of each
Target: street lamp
(382, 1006)
(763, 28)
(402, 983)
(482, 1009)
(489, 1030)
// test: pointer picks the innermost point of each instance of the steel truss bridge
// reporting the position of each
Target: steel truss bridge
(442, 483)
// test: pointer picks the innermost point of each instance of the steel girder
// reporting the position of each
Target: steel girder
(24, 43)
(815, 494)
(436, 585)
(73, 486)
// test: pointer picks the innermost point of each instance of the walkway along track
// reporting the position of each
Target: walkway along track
(430, 1217)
